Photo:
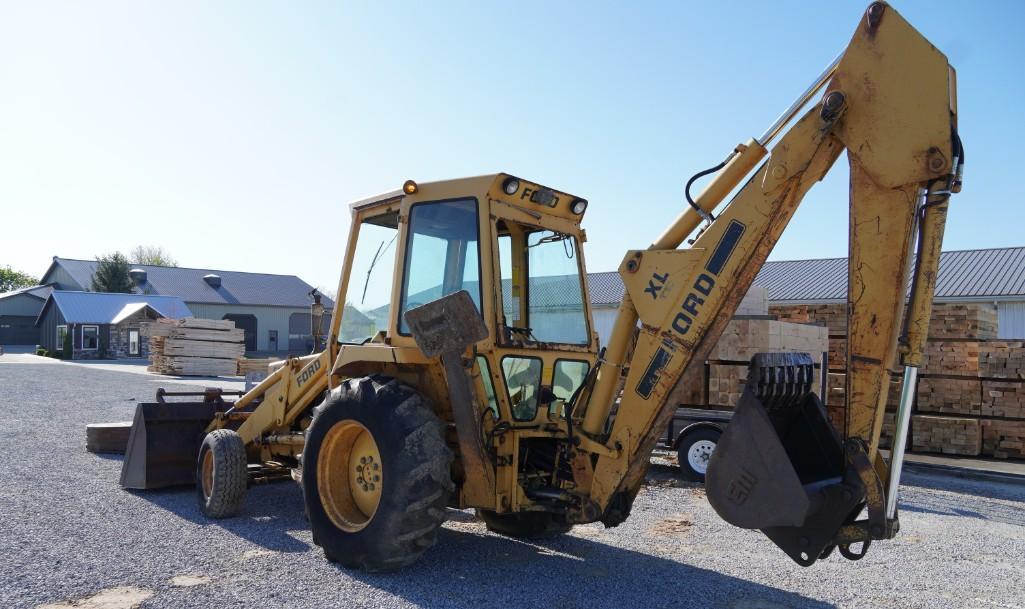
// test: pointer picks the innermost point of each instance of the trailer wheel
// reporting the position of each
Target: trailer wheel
(694, 450)
(525, 525)
(221, 477)
(376, 476)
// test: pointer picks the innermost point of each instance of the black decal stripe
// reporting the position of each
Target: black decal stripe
(725, 248)
(654, 371)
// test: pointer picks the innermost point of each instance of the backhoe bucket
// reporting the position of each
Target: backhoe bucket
(780, 465)
(164, 443)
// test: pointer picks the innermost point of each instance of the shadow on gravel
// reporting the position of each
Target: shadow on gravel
(1007, 491)
(991, 501)
(473, 570)
(269, 513)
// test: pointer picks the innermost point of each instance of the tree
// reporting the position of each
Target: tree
(152, 254)
(112, 274)
(11, 279)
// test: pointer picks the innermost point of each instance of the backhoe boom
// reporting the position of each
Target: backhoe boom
(889, 101)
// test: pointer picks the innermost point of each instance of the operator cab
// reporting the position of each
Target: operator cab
(514, 246)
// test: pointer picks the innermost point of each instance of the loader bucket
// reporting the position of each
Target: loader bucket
(780, 465)
(164, 443)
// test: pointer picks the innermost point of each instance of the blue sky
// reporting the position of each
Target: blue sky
(235, 134)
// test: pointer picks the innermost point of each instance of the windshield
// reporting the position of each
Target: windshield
(550, 302)
(442, 256)
(368, 298)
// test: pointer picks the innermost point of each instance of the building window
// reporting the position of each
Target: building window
(90, 338)
(62, 331)
(133, 342)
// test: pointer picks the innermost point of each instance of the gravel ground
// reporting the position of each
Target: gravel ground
(73, 533)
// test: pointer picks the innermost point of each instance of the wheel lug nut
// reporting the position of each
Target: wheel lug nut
(363, 460)
(377, 478)
(376, 466)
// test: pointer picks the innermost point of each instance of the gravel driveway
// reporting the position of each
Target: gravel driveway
(72, 533)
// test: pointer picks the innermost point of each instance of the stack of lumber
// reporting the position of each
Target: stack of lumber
(832, 316)
(726, 384)
(194, 347)
(957, 357)
(837, 353)
(1002, 359)
(1005, 399)
(961, 321)
(1003, 439)
(947, 435)
(971, 390)
(950, 395)
(247, 365)
(742, 339)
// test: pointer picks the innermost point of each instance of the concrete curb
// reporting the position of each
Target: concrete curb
(964, 472)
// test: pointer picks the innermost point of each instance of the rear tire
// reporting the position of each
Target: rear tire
(694, 450)
(525, 525)
(375, 518)
(221, 477)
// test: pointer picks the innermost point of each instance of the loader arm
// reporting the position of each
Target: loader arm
(890, 102)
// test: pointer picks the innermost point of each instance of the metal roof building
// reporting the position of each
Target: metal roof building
(18, 311)
(272, 310)
(206, 286)
(994, 275)
(99, 325)
(103, 308)
(984, 275)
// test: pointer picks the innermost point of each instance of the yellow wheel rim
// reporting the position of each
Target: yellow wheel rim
(349, 475)
(208, 473)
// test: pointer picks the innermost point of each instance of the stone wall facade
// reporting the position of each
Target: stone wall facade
(114, 341)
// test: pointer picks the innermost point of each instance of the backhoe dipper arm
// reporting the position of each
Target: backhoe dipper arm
(890, 102)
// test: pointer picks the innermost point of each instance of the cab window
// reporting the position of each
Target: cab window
(368, 296)
(489, 386)
(442, 254)
(542, 291)
(567, 376)
(523, 381)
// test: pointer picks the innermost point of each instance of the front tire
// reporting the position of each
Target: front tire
(376, 476)
(221, 476)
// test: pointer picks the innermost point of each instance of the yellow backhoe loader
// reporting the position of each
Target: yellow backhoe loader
(479, 381)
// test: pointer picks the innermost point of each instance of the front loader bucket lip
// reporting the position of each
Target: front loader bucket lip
(163, 443)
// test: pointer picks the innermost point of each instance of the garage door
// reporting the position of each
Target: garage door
(18, 330)
(1011, 320)
(247, 323)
